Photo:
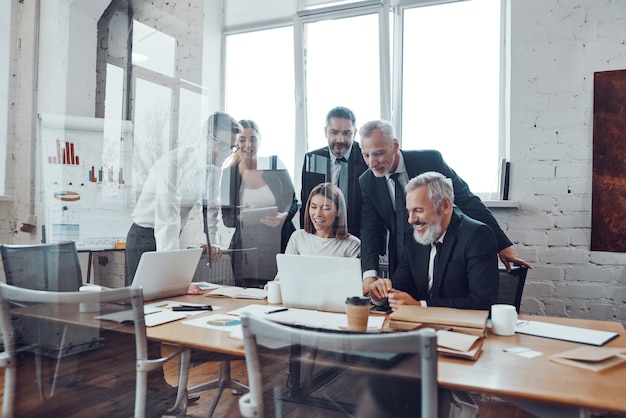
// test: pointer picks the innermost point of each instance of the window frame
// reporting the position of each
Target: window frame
(391, 63)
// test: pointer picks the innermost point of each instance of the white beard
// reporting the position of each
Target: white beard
(433, 231)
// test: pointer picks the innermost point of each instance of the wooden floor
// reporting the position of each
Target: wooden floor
(489, 407)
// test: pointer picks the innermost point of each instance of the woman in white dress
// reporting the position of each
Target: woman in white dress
(325, 226)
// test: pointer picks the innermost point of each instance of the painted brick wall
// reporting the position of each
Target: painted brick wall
(556, 48)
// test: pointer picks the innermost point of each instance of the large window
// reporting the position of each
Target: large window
(451, 87)
(260, 86)
(446, 77)
(342, 69)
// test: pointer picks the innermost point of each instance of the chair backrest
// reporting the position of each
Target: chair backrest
(350, 358)
(103, 375)
(512, 286)
(53, 266)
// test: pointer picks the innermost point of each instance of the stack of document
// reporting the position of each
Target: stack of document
(457, 344)
(592, 358)
(467, 321)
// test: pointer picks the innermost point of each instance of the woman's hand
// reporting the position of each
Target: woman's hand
(216, 253)
(194, 289)
(275, 221)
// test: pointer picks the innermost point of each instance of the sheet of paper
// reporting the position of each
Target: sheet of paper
(307, 317)
(162, 317)
(219, 322)
(523, 352)
(563, 332)
(207, 285)
(239, 292)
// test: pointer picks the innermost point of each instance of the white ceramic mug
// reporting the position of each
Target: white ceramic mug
(503, 319)
(90, 307)
(273, 292)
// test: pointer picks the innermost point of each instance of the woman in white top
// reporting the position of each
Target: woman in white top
(325, 226)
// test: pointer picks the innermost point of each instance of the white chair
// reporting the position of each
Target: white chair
(277, 356)
(106, 376)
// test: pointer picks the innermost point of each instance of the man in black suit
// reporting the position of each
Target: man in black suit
(390, 168)
(449, 260)
(341, 163)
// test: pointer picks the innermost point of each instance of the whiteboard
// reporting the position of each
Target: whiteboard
(85, 179)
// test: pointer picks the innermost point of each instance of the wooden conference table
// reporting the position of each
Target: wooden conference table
(538, 385)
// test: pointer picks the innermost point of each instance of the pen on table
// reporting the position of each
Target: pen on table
(192, 308)
(150, 313)
(276, 311)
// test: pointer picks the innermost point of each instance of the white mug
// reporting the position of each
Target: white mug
(273, 292)
(503, 319)
(90, 307)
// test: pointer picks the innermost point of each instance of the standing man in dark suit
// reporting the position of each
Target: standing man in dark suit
(450, 259)
(341, 163)
(390, 170)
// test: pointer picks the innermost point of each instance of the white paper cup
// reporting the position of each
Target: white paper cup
(90, 307)
(503, 319)
(273, 292)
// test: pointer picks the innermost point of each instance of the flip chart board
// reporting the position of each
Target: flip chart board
(85, 180)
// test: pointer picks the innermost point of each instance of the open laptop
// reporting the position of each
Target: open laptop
(166, 273)
(318, 282)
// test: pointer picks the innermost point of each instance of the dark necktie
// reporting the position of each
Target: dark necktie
(401, 217)
(434, 267)
(342, 178)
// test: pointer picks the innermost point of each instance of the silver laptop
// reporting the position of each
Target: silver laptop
(318, 282)
(166, 273)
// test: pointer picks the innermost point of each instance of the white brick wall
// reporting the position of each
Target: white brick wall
(556, 48)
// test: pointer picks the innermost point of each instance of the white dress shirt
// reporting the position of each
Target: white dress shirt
(175, 184)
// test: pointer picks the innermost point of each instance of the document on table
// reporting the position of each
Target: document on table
(307, 317)
(152, 316)
(564, 332)
(154, 313)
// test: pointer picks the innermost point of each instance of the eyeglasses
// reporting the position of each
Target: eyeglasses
(223, 146)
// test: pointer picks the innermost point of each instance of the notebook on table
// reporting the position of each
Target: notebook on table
(162, 274)
(318, 282)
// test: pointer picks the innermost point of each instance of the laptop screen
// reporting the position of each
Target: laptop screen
(166, 273)
(318, 282)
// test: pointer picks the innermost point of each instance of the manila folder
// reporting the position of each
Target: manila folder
(469, 318)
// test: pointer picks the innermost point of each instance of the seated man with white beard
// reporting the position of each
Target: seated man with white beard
(449, 260)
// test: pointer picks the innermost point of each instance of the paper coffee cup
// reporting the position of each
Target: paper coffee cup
(273, 292)
(503, 319)
(90, 307)
(357, 311)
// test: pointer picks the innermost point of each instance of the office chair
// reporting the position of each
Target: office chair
(53, 266)
(103, 384)
(277, 356)
(511, 286)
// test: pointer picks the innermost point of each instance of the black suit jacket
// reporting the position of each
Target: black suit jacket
(466, 269)
(316, 170)
(378, 214)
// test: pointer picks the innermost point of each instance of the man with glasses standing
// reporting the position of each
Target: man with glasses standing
(340, 163)
(178, 181)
